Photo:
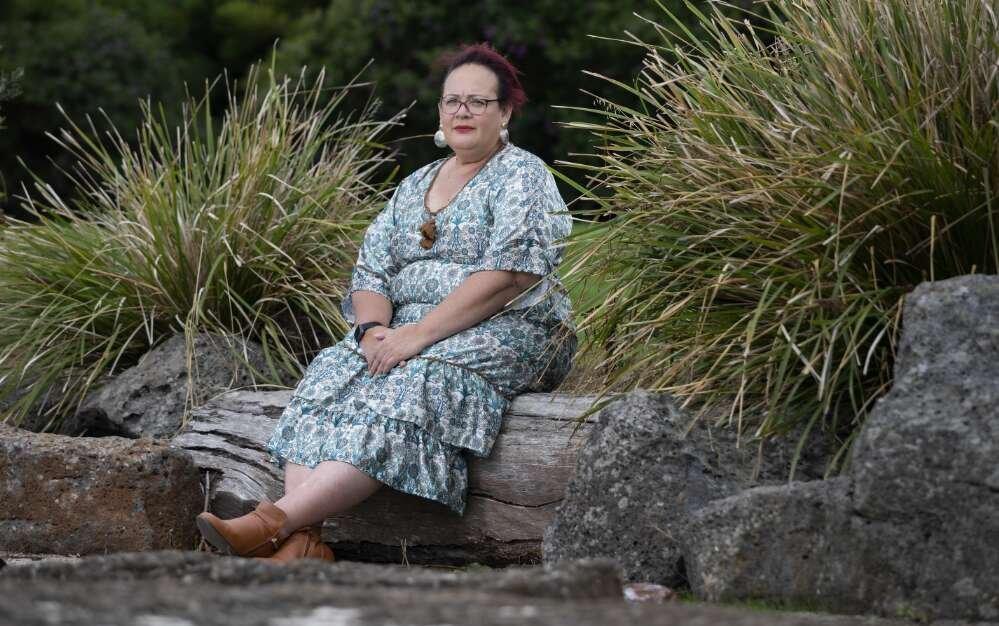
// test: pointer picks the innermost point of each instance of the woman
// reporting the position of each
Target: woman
(456, 309)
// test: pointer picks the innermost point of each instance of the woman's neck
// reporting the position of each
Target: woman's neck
(474, 158)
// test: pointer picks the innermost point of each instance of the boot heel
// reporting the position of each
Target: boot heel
(212, 535)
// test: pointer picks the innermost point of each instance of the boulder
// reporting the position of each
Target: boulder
(71, 495)
(790, 543)
(912, 529)
(151, 398)
(932, 444)
(643, 471)
(927, 459)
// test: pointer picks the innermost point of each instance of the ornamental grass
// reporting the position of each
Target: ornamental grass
(769, 194)
(244, 229)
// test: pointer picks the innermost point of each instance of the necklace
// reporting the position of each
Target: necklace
(428, 229)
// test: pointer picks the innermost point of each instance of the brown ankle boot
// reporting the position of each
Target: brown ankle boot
(304, 543)
(253, 534)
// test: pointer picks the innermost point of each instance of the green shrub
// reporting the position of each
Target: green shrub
(247, 229)
(778, 189)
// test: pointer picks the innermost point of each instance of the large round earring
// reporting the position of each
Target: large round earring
(504, 135)
(439, 140)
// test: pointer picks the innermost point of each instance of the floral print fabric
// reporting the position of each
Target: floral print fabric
(410, 427)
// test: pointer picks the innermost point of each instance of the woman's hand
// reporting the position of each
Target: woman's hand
(369, 343)
(389, 347)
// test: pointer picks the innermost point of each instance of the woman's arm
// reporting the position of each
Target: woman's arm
(477, 297)
(370, 306)
(373, 271)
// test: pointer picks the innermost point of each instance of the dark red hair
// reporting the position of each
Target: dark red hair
(510, 92)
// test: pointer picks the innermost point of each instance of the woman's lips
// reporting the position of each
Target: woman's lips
(463, 129)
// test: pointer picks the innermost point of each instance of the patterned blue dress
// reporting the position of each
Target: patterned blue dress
(411, 427)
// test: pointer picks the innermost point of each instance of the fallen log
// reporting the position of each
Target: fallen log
(512, 495)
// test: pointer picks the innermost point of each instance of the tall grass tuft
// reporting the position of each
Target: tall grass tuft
(775, 191)
(245, 228)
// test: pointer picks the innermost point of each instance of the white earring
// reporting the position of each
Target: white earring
(504, 135)
(439, 140)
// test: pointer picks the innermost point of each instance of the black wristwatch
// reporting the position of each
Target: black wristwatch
(360, 329)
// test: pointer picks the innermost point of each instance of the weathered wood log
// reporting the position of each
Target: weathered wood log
(512, 495)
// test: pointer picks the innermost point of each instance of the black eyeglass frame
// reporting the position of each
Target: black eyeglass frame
(465, 104)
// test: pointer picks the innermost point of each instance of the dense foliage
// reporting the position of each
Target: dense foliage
(8, 89)
(8, 86)
(90, 54)
(776, 201)
(242, 230)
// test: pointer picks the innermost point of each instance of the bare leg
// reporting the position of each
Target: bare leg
(331, 487)
(294, 475)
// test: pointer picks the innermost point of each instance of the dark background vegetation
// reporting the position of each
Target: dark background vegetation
(104, 55)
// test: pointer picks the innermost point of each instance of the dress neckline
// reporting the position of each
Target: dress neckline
(426, 192)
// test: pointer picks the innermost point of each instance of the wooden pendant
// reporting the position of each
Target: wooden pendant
(429, 231)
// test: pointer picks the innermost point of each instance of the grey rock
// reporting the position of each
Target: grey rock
(196, 588)
(71, 495)
(149, 399)
(576, 579)
(927, 460)
(788, 543)
(933, 442)
(804, 545)
(640, 476)
(913, 529)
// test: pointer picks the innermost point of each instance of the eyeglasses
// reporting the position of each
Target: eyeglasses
(475, 105)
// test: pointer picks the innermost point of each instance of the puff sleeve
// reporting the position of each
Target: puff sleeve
(529, 221)
(375, 265)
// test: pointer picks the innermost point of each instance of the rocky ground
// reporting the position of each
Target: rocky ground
(173, 588)
(907, 532)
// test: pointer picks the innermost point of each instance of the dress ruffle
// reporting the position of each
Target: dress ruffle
(395, 452)
(453, 403)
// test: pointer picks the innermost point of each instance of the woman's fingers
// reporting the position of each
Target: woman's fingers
(383, 358)
(374, 358)
(382, 362)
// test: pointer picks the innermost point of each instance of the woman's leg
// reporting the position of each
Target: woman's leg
(294, 475)
(330, 487)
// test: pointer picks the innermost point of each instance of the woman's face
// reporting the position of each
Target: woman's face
(462, 129)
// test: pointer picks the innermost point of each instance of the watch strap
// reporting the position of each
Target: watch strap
(360, 329)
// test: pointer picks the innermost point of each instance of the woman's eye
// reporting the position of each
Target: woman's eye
(451, 101)
(477, 102)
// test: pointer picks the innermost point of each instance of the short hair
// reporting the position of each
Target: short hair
(510, 92)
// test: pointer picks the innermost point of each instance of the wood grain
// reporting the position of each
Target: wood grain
(512, 494)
